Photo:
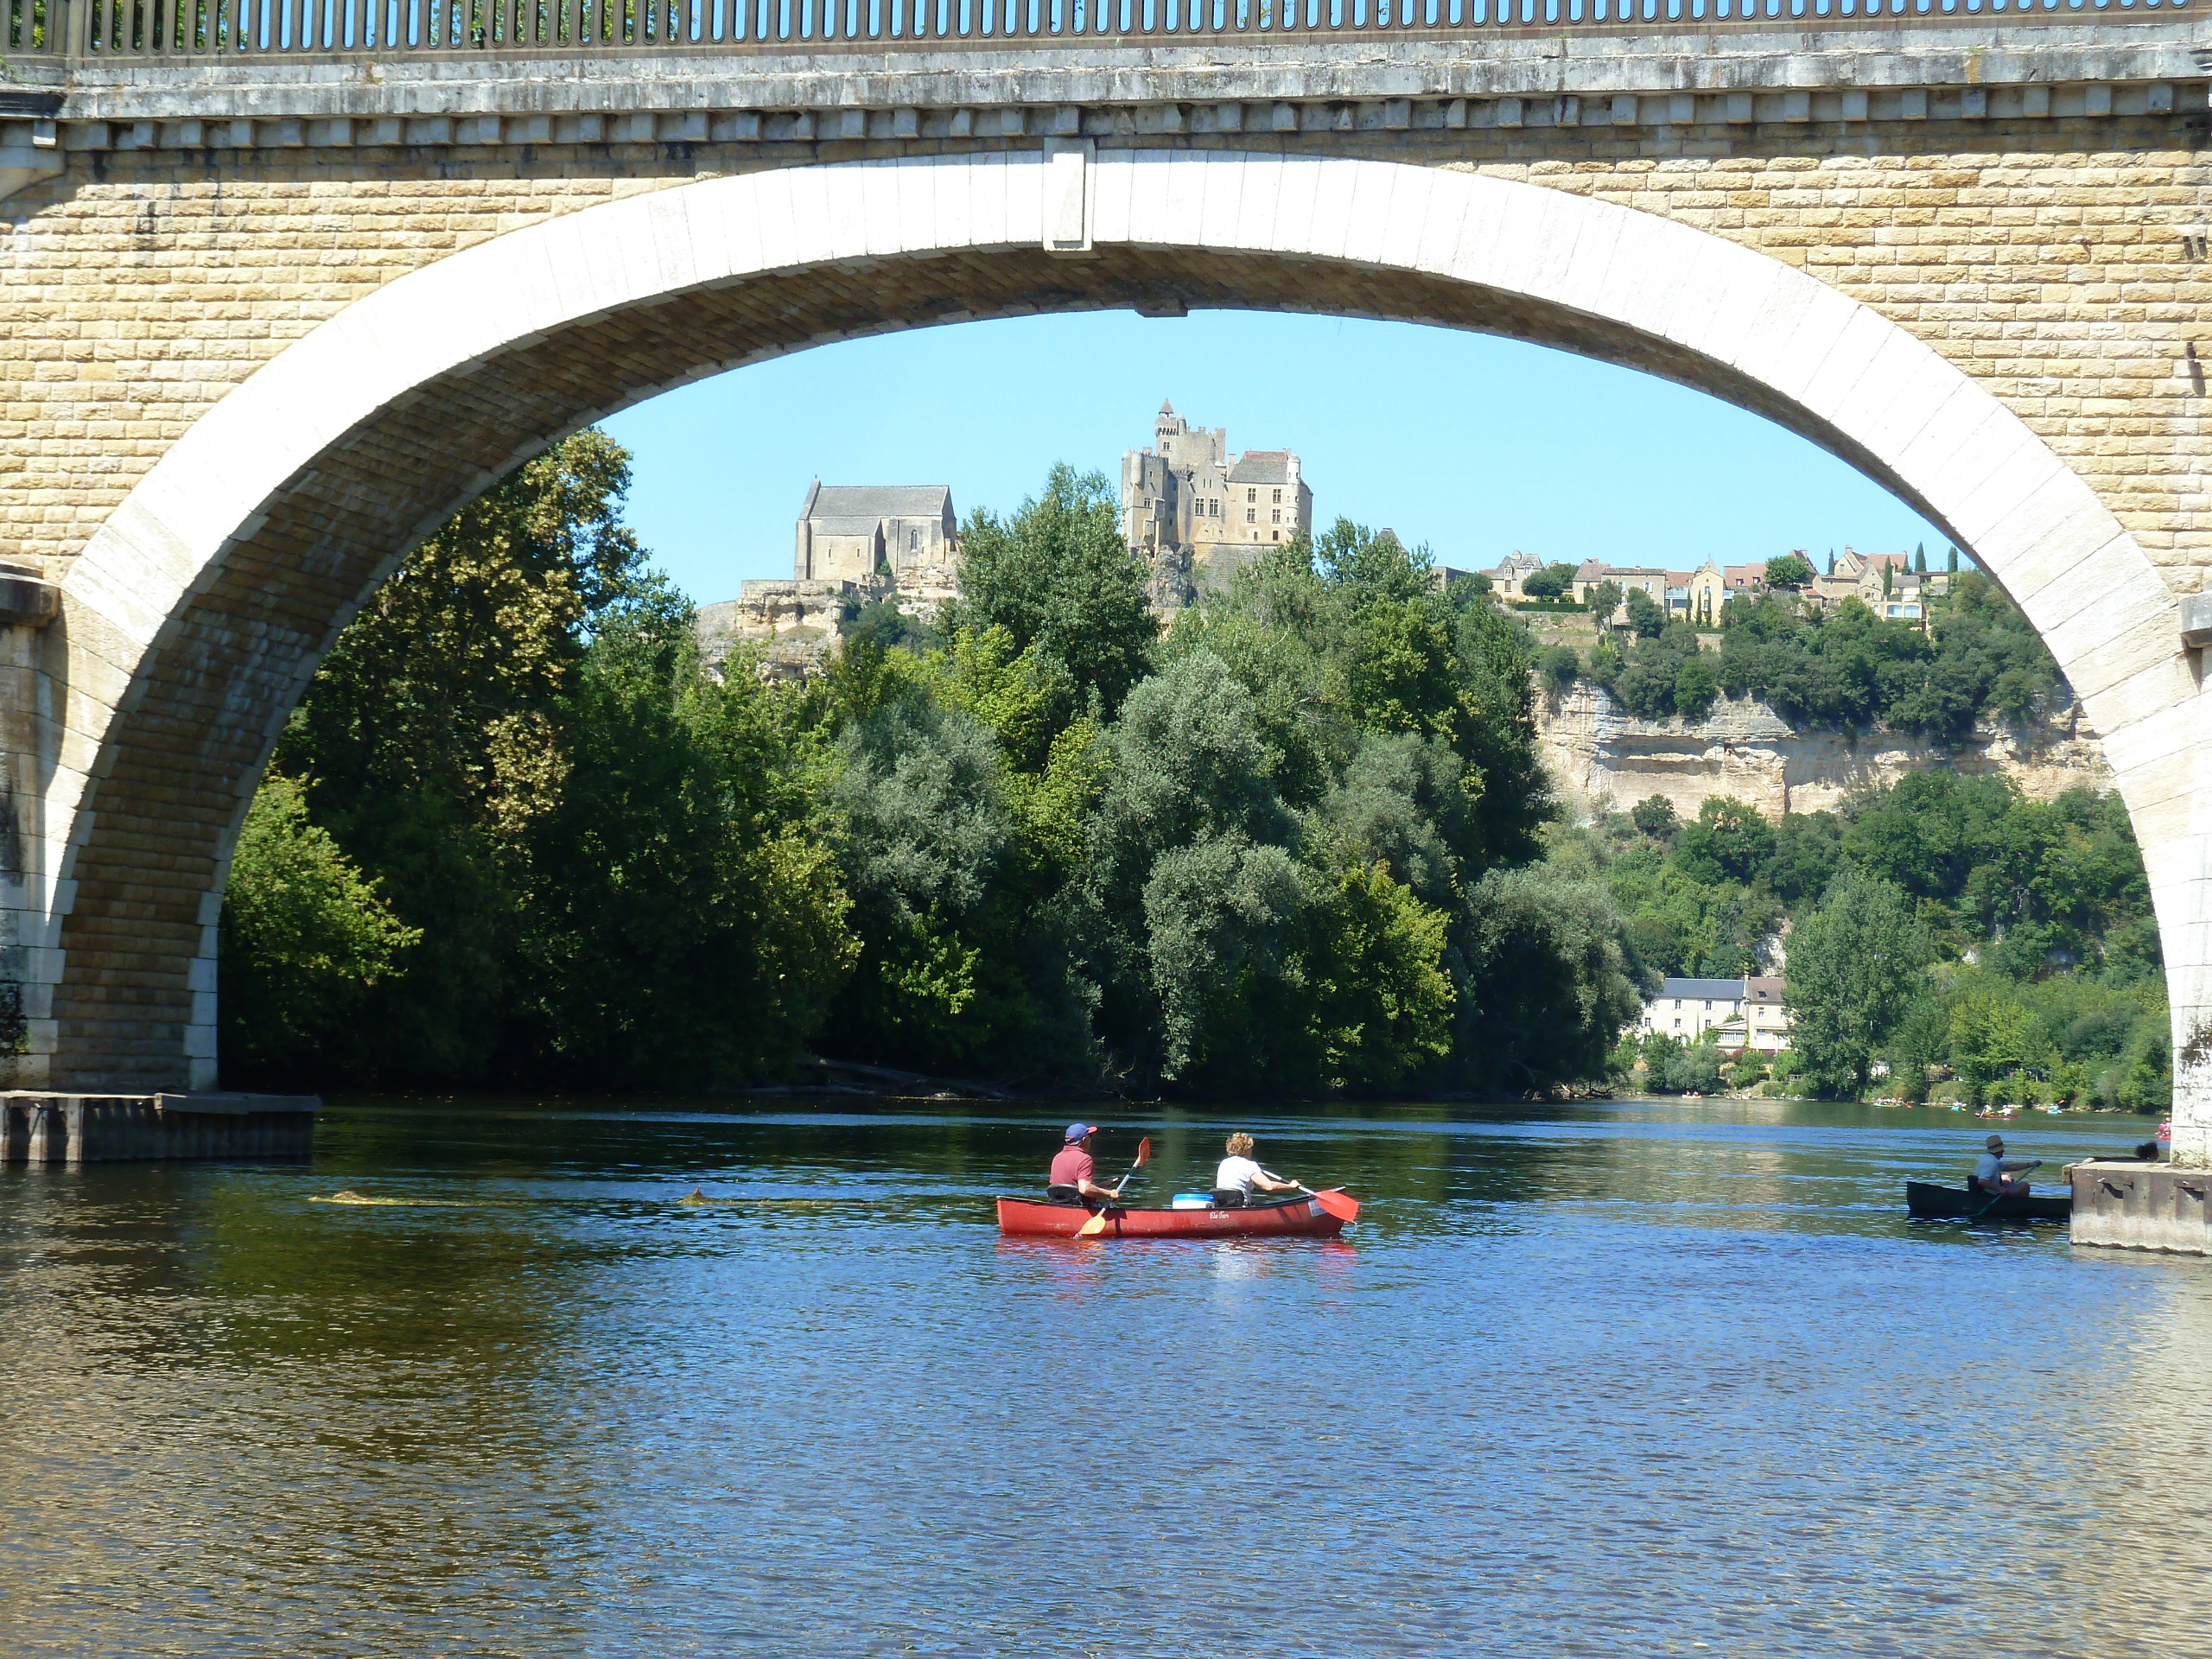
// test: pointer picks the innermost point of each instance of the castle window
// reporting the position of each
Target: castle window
(1275, 517)
(1251, 515)
(1278, 495)
(1251, 495)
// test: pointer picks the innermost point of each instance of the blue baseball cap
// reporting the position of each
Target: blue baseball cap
(1077, 1131)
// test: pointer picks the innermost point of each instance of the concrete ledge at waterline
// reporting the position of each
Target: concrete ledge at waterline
(42, 1129)
(2142, 1206)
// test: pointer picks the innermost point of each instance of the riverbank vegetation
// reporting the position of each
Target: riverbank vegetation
(1945, 938)
(1846, 669)
(516, 834)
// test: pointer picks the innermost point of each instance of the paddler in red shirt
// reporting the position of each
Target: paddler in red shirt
(1071, 1180)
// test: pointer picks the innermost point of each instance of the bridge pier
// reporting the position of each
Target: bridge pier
(72, 1129)
(2142, 1206)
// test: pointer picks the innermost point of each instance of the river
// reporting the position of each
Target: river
(1626, 1379)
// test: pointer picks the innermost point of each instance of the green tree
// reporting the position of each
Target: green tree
(1696, 685)
(1728, 840)
(306, 938)
(1993, 1036)
(1058, 575)
(1655, 816)
(1380, 997)
(1790, 570)
(1604, 599)
(1545, 990)
(1560, 668)
(1550, 582)
(1192, 788)
(619, 866)
(1806, 850)
(1645, 616)
(1853, 967)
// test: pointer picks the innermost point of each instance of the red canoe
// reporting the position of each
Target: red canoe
(1299, 1218)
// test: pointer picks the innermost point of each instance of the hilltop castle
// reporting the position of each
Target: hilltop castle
(1196, 514)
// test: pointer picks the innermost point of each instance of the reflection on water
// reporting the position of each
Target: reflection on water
(1646, 1378)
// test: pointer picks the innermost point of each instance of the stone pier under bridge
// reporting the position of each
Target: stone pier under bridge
(39, 1128)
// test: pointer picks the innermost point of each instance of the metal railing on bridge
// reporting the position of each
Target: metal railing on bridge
(111, 29)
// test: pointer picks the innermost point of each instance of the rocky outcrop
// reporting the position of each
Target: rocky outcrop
(1602, 760)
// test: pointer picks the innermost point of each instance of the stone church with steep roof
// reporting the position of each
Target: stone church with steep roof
(854, 544)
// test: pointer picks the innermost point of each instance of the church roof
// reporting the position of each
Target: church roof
(1262, 466)
(873, 501)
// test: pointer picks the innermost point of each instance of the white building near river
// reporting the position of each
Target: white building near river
(1737, 1014)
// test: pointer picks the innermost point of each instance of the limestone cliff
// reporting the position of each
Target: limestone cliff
(1602, 758)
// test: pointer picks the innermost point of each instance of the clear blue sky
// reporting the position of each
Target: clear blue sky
(1476, 445)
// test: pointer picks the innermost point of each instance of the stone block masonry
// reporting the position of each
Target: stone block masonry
(2141, 1206)
(262, 325)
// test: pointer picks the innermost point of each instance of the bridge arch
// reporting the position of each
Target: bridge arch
(196, 613)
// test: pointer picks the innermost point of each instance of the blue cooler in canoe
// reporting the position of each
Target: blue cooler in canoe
(1191, 1201)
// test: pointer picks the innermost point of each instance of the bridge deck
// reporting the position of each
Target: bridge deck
(89, 31)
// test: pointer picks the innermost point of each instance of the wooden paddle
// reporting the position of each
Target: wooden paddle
(1096, 1224)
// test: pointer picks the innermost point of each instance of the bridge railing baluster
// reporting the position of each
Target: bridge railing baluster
(175, 30)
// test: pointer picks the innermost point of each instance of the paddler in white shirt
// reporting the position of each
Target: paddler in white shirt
(1239, 1177)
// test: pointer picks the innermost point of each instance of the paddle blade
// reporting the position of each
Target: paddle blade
(1144, 1152)
(1342, 1205)
(1092, 1228)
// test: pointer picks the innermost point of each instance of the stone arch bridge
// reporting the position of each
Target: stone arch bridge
(284, 284)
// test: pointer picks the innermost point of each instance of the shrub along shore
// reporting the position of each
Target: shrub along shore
(1300, 843)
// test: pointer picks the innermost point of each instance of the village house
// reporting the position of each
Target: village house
(1505, 579)
(1738, 1014)
(1703, 593)
(1885, 583)
(1649, 577)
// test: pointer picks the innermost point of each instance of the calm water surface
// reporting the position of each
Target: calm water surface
(1644, 1378)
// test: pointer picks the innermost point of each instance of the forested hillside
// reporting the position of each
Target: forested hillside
(515, 834)
(1847, 670)
(1300, 844)
(1947, 933)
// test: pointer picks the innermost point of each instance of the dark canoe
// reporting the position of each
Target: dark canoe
(1293, 1218)
(1926, 1199)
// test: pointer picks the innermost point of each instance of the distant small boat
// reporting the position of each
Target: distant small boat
(1927, 1199)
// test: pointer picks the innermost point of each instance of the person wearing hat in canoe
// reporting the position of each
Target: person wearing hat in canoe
(1239, 1177)
(1070, 1181)
(1992, 1171)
